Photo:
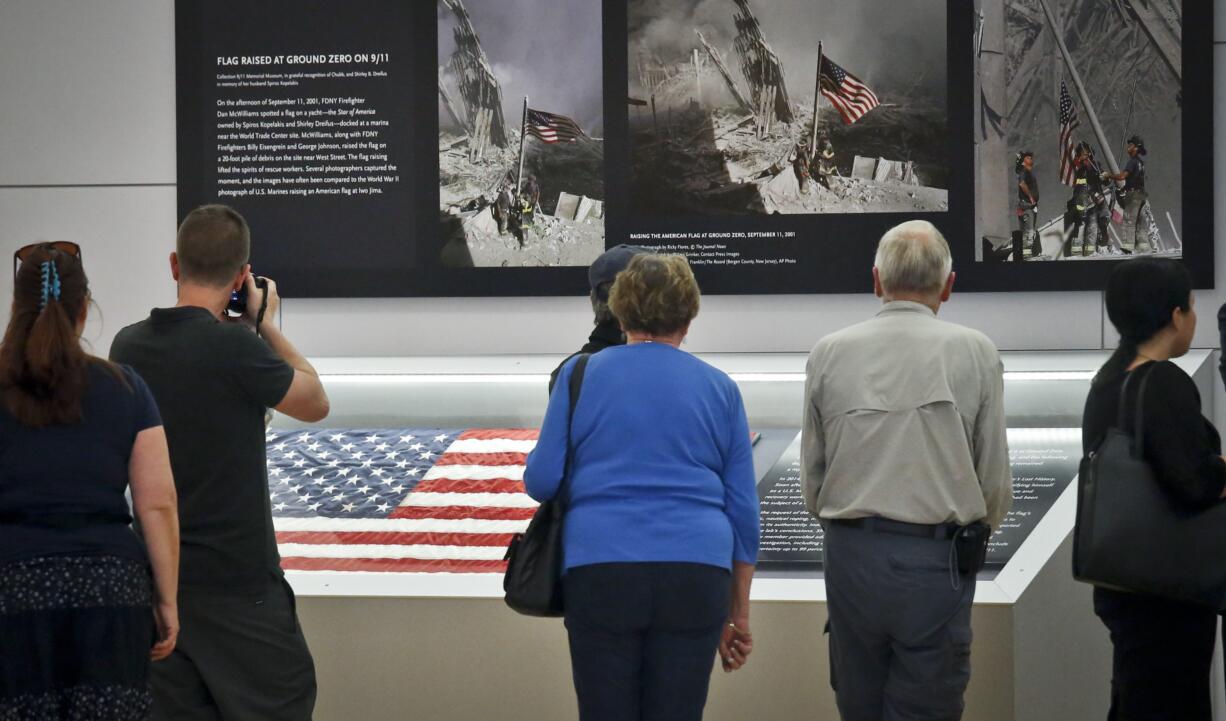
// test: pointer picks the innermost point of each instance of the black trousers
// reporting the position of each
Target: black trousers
(1162, 655)
(239, 657)
(643, 638)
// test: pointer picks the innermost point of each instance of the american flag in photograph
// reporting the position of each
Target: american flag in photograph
(552, 128)
(1068, 123)
(438, 500)
(845, 92)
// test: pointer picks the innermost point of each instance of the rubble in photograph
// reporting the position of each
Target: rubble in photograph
(707, 140)
(478, 86)
(527, 193)
(468, 192)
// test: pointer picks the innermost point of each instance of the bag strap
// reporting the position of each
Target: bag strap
(1138, 425)
(575, 386)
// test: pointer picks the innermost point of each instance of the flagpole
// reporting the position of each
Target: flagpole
(1081, 90)
(817, 97)
(523, 134)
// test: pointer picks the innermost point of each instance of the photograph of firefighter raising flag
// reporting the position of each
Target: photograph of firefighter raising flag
(521, 155)
(787, 106)
(1083, 100)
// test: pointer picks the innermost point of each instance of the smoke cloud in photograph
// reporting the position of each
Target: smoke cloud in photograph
(888, 44)
(547, 50)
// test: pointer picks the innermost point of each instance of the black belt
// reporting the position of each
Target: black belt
(875, 524)
(63, 521)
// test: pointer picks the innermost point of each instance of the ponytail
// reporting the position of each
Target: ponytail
(43, 369)
(1117, 363)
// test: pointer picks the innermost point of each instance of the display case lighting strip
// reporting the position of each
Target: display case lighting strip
(424, 378)
(1049, 375)
(768, 377)
(541, 378)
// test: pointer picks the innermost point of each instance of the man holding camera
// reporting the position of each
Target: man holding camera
(241, 653)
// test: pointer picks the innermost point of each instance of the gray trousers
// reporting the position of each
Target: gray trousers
(1136, 230)
(900, 632)
(1031, 247)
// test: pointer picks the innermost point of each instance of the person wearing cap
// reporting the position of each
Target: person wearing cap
(1081, 205)
(1101, 195)
(1136, 237)
(800, 166)
(600, 276)
(1027, 203)
(824, 160)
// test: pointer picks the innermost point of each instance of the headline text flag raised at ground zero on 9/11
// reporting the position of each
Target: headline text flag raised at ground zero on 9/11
(398, 500)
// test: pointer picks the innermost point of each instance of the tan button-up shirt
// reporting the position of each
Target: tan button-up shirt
(904, 419)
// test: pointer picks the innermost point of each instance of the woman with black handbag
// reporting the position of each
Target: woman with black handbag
(1163, 648)
(660, 530)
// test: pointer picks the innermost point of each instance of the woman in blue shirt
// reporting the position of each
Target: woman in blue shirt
(78, 608)
(661, 528)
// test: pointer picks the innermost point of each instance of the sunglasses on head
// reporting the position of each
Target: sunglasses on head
(64, 246)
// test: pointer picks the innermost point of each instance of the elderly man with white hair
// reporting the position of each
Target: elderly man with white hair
(905, 463)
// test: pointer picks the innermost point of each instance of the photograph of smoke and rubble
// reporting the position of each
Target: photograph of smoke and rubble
(1078, 130)
(521, 154)
(722, 96)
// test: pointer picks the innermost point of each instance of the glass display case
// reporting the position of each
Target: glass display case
(413, 485)
(393, 514)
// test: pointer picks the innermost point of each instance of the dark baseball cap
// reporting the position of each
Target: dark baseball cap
(611, 262)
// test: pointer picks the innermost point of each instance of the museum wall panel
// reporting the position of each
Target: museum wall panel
(88, 93)
(100, 110)
(87, 99)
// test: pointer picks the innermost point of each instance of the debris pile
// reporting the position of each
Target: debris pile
(479, 156)
(702, 144)
(549, 241)
(479, 87)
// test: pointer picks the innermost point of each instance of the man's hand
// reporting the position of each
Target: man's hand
(255, 299)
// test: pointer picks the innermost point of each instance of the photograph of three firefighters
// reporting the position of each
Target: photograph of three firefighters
(1078, 130)
(795, 107)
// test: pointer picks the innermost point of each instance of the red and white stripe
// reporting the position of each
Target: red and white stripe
(1068, 167)
(459, 518)
(551, 127)
(851, 98)
(1068, 123)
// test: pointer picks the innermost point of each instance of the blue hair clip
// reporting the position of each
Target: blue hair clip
(51, 283)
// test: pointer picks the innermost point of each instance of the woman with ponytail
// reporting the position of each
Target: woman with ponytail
(1163, 649)
(85, 605)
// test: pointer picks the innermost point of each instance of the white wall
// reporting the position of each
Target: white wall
(87, 153)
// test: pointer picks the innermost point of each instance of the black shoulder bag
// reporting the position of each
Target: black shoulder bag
(533, 581)
(1131, 535)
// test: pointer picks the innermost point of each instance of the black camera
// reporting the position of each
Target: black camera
(238, 299)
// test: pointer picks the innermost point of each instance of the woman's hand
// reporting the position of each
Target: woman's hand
(735, 643)
(166, 616)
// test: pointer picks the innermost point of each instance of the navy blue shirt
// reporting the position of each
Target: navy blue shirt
(1136, 174)
(74, 470)
(663, 465)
